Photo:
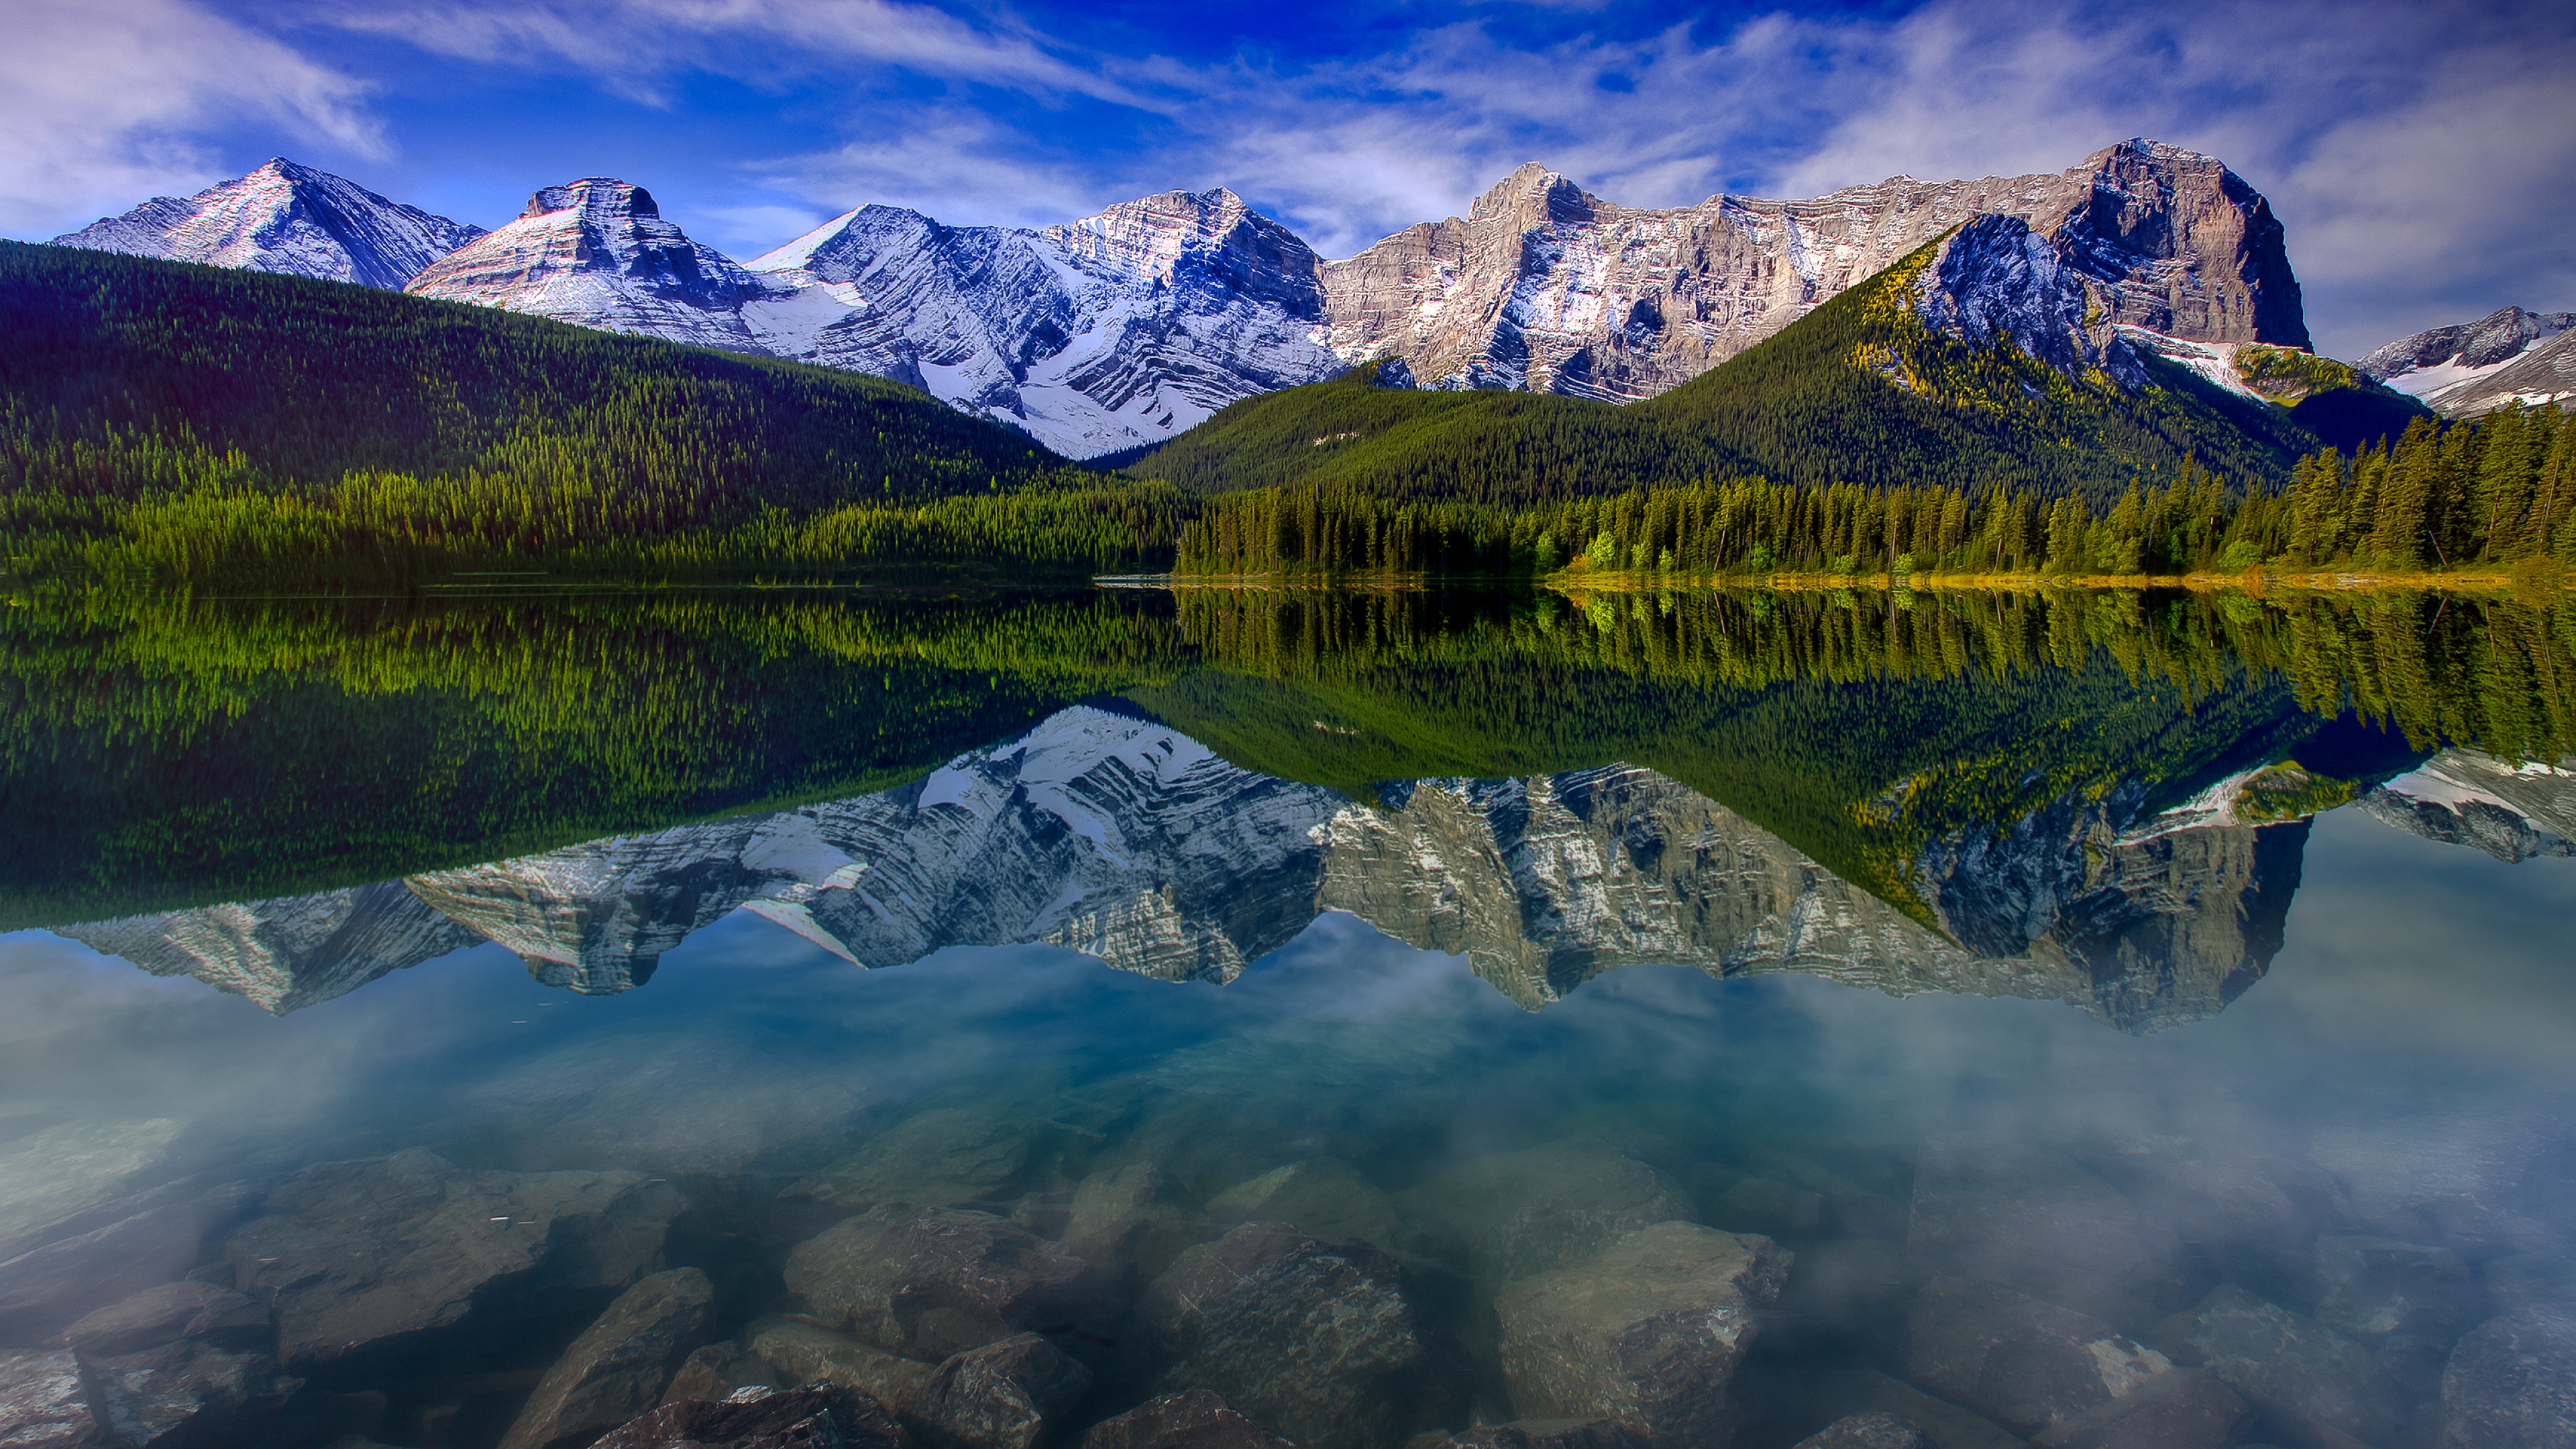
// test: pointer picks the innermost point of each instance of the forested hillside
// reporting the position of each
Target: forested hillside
(1812, 406)
(190, 419)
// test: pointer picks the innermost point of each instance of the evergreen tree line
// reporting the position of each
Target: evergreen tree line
(2492, 493)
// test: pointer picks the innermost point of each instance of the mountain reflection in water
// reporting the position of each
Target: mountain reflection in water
(1289, 1174)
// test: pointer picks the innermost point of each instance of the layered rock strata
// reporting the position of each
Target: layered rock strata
(284, 218)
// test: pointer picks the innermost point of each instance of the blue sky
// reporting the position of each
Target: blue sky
(2422, 156)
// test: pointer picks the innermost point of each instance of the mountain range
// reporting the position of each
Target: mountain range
(2506, 357)
(1122, 329)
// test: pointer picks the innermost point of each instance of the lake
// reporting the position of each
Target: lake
(1402, 1018)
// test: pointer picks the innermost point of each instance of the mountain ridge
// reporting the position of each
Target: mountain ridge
(284, 218)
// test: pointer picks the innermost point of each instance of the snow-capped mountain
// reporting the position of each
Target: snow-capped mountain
(1547, 287)
(284, 218)
(1096, 335)
(597, 253)
(2475, 367)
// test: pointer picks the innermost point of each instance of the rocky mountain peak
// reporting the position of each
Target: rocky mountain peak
(2507, 356)
(599, 196)
(284, 217)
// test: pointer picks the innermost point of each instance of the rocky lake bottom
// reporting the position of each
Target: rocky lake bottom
(1191, 1105)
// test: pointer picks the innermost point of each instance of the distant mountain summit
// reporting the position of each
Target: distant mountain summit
(2504, 357)
(284, 218)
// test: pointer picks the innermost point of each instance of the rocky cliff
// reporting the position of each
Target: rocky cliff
(1120, 837)
(2512, 810)
(284, 218)
(2475, 367)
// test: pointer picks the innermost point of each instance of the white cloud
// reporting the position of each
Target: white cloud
(104, 103)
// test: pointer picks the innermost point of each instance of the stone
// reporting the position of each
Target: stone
(1005, 1395)
(171, 1312)
(42, 1405)
(808, 1353)
(619, 1366)
(935, 1281)
(933, 1159)
(1193, 1419)
(2027, 1365)
(177, 1393)
(1524, 1213)
(2492, 1181)
(2405, 1300)
(1324, 1197)
(814, 1417)
(2511, 1384)
(1532, 1434)
(2186, 1409)
(1313, 1342)
(356, 1255)
(1648, 1332)
(1128, 1221)
(1991, 1207)
(1867, 1431)
(1774, 1209)
(718, 1371)
(2303, 1377)
(148, 1239)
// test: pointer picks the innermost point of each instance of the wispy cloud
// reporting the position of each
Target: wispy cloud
(102, 104)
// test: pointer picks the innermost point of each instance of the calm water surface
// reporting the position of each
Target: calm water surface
(1661, 1021)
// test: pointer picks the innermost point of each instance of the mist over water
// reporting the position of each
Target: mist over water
(2138, 980)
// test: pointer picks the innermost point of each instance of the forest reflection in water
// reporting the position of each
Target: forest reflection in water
(2133, 806)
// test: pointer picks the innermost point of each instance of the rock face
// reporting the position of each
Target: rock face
(284, 218)
(1195, 1419)
(2474, 367)
(1315, 1342)
(356, 1255)
(597, 253)
(619, 1366)
(2512, 1384)
(806, 1418)
(288, 953)
(41, 1406)
(932, 1282)
(1546, 287)
(1646, 1333)
(2512, 811)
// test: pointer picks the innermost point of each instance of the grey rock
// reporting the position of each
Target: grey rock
(619, 1366)
(718, 1371)
(1867, 1431)
(1325, 1198)
(1192, 1419)
(932, 1282)
(171, 1312)
(162, 1237)
(2511, 1384)
(2408, 1301)
(354, 1255)
(74, 1176)
(936, 1159)
(2521, 1282)
(1524, 1213)
(1005, 1395)
(1314, 1342)
(808, 1353)
(1992, 1207)
(2492, 1181)
(2506, 354)
(1647, 1332)
(1129, 1221)
(2303, 1377)
(177, 1392)
(2186, 1409)
(1534, 1434)
(2028, 1365)
(815, 1417)
(42, 1405)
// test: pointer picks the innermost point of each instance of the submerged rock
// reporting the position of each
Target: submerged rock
(932, 1282)
(1647, 1332)
(934, 1159)
(1773, 1209)
(815, 1417)
(2471, 1179)
(169, 1313)
(2408, 1301)
(1005, 1395)
(619, 1366)
(718, 1371)
(1523, 1213)
(1993, 1208)
(2027, 1365)
(41, 1403)
(177, 1393)
(147, 1239)
(1194, 1419)
(1324, 1197)
(689, 1102)
(352, 1255)
(1862, 1392)
(2305, 1378)
(1868, 1431)
(69, 1178)
(2511, 1384)
(1315, 1342)
(1532, 1434)
(2185, 1409)
(1128, 1221)
(807, 1353)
